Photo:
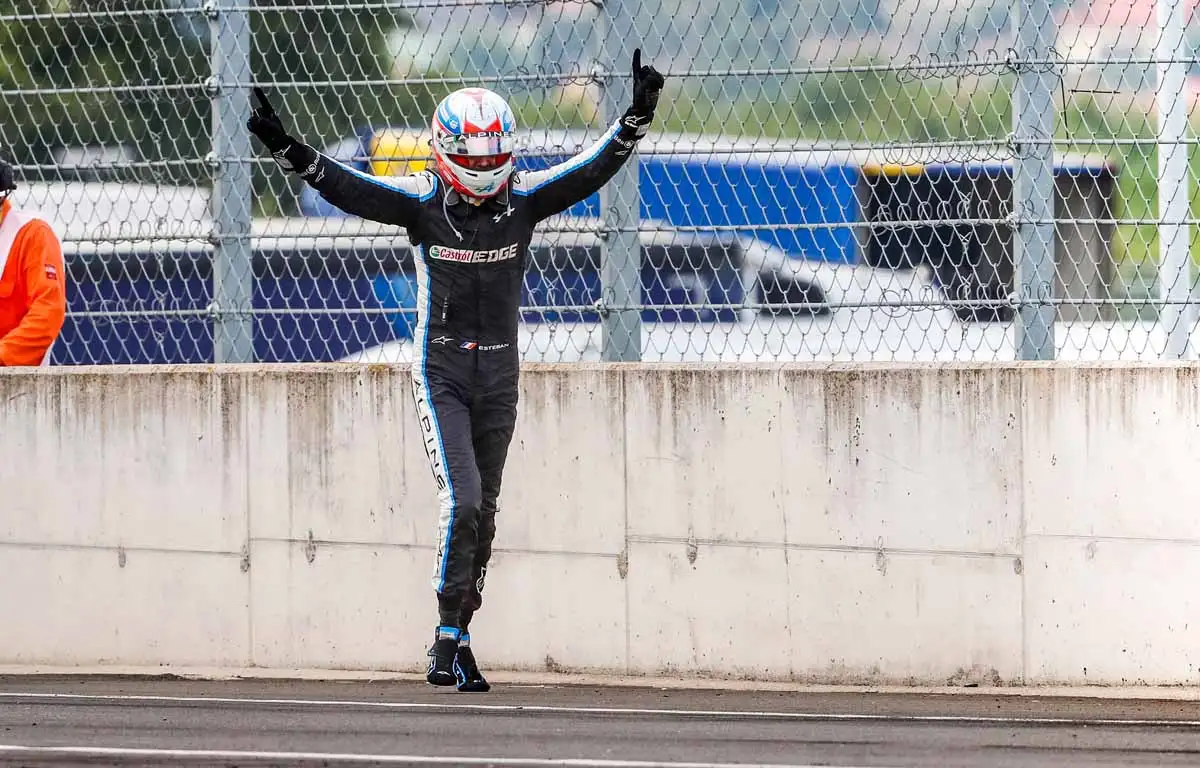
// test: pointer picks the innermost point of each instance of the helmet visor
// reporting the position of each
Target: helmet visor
(477, 144)
(480, 162)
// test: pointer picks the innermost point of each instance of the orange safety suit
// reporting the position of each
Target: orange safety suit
(33, 294)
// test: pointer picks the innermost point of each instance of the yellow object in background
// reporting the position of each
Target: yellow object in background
(399, 152)
(893, 169)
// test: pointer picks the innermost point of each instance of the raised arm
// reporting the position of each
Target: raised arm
(394, 200)
(556, 189)
(391, 200)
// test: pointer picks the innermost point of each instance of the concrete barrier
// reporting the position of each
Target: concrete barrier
(871, 523)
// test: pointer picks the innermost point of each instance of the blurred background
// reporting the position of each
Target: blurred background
(868, 180)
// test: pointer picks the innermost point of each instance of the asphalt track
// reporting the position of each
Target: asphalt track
(168, 722)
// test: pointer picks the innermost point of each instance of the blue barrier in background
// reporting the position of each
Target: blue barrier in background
(752, 192)
(151, 307)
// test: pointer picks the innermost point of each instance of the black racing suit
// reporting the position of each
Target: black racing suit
(470, 264)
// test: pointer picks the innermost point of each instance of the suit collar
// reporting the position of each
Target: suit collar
(499, 201)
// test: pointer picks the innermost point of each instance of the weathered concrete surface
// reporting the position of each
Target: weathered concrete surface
(830, 523)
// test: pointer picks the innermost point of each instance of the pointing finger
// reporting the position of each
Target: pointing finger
(264, 105)
(637, 60)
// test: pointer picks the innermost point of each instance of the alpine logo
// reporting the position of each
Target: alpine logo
(465, 256)
(430, 437)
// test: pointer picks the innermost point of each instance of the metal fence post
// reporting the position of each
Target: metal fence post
(1033, 178)
(1174, 274)
(621, 266)
(233, 339)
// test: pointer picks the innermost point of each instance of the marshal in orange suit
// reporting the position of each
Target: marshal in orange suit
(33, 295)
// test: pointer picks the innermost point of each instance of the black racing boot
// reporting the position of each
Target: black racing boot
(466, 671)
(441, 657)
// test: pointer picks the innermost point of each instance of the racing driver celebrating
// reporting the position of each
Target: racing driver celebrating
(470, 221)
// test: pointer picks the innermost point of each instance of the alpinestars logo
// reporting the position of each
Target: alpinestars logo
(281, 159)
(465, 256)
(639, 123)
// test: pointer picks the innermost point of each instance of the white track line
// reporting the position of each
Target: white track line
(59, 753)
(403, 706)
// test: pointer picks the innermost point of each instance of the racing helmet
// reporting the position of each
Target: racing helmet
(473, 141)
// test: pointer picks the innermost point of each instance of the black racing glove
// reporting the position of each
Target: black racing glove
(647, 85)
(289, 153)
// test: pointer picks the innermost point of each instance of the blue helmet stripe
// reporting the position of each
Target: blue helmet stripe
(447, 118)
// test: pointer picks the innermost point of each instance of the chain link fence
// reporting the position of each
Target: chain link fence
(879, 180)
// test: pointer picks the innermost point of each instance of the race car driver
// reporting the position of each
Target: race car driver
(471, 221)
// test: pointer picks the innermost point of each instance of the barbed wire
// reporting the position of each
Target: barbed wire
(1011, 302)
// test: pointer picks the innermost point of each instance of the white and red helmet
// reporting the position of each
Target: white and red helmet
(473, 141)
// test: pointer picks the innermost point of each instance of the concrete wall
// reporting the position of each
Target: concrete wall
(826, 523)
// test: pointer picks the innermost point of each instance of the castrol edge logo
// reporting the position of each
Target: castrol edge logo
(465, 256)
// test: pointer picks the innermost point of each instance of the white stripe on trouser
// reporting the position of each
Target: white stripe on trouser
(431, 438)
(431, 432)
